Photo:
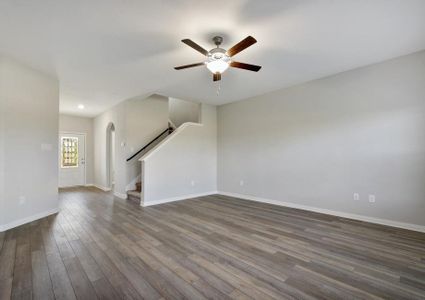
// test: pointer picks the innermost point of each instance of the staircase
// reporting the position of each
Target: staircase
(134, 196)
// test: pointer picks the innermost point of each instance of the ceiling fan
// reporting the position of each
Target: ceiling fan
(218, 59)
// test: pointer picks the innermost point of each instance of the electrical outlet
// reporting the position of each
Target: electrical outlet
(241, 183)
(192, 182)
(356, 196)
(372, 198)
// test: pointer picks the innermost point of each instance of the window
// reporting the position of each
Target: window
(69, 152)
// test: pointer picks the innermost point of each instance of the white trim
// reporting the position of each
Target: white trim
(120, 195)
(143, 180)
(89, 184)
(70, 186)
(386, 222)
(103, 188)
(178, 198)
(28, 219)
(109, 146)
(167, 139)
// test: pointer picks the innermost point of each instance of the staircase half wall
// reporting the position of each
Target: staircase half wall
(184, 165)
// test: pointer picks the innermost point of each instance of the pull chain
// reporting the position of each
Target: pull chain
(218, 89)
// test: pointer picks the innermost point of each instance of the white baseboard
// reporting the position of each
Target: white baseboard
(120, 195)
(74, 186)
(28, 219)
(391, 223)
(103, 188)
(185, 197)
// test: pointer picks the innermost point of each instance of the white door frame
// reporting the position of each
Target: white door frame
(109, 145)
(85, 151)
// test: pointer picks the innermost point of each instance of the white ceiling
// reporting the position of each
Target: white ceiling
(105, 51)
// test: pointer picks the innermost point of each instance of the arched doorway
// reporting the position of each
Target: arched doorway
(110, 155)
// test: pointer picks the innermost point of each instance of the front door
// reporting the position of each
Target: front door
(72, 159)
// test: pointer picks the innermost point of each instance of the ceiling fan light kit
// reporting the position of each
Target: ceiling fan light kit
(218, 60)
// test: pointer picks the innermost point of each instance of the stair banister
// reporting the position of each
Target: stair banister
(169, 130)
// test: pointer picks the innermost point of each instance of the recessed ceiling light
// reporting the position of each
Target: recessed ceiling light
(81, 106)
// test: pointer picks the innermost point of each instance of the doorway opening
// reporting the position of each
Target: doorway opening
(110, 155)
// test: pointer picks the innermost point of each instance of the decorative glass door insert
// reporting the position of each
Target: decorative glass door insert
(69, 152)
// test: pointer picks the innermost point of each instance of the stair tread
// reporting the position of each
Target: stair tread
(134, 193)
(139, 186)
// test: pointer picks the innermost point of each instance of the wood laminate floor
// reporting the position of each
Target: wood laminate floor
(210, 247)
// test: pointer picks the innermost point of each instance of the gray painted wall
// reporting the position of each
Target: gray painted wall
(29, 110)
(361, 131)
(137, 121)
(185, 164)
(145, 120)
(182, 111)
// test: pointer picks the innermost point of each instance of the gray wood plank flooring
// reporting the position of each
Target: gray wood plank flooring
(214, 247)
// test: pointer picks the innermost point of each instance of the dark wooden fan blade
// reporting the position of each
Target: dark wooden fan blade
(244, 66)
(245, 43)
(189, 66)
(195, 46)
(216, 77)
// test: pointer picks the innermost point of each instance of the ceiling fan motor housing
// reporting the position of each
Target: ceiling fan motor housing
(218, 53)
(217, 40)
